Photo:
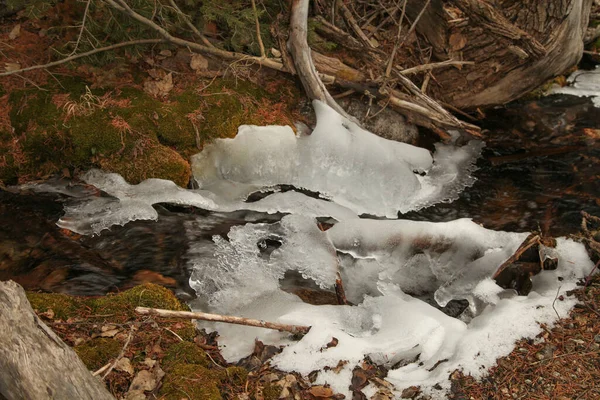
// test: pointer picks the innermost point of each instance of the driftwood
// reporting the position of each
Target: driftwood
(34, 362)
(301, 55)
(295, 329)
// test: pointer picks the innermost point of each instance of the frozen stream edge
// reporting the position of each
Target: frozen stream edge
(381, 265)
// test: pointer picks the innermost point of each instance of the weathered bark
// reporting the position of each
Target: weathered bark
(34, 362)
(516, 45)
(301, 55)
(432, 24)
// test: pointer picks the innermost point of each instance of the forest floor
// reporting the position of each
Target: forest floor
(168, 358)
(117, 118)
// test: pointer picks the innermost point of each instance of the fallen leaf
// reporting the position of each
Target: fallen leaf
(411, 392)
(124, 364)
(159, 88)
(146, 380)
(457, 41)
(15, 32)
(9, 67)
(198, 63)
(149, 362)
(49, 313)
(321, 391)
(334, 342)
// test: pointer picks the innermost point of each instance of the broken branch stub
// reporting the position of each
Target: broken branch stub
(295, 329)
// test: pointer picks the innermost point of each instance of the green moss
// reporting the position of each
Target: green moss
(122, 304)
(63, 306)
(316, 41)
(146, 295)
(271, 392)
(150, 160)
(236, 376)
(187, 353)
(97, 352)
(92, 135)
(187, 332)
(29, 106)
(191, 381)
(132, 133)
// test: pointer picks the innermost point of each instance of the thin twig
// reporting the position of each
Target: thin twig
(353, 24)
(388, 69)
(122, 353)
(101, 370)
(258, 37)
(414, 24)
(188, 22)
(85, 13)
(589, 277)
(222, 318)
(122, 6)
(176, 335)
(430, 66)
(86, 54)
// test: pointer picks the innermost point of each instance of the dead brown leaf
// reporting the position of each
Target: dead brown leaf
(321, 391)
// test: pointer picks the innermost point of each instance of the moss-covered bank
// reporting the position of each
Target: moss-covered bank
(69, 127)
(164, 343)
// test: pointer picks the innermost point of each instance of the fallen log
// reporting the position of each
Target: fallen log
(35, 362)
(295, 329)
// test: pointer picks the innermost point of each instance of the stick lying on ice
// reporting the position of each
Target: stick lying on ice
(295, 329)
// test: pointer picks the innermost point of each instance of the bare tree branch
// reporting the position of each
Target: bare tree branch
(86, 54)
(301, 54)
(186, 19)
(295, 329)
(123, 7)
(260, 42)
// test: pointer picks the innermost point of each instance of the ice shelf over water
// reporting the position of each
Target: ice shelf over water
(344, 163)
(390, 261)
(584, 84)
(354, 171)
(394, 271)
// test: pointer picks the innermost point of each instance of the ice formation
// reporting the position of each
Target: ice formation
(584, 84)
(348, 165)
(393, 270)
(454, 260)
(128, 202)
(354, 171)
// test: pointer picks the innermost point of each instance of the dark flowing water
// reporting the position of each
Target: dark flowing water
(538, 171)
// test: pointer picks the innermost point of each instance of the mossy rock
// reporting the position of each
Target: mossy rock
(129, 132)
(52, 138)
(121, 304)
(146, 295)
(63, 306)
(191, 380)
(199, 382)
(187, 353)
(97, 352)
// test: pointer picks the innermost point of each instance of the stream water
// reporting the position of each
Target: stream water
(539, 169)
